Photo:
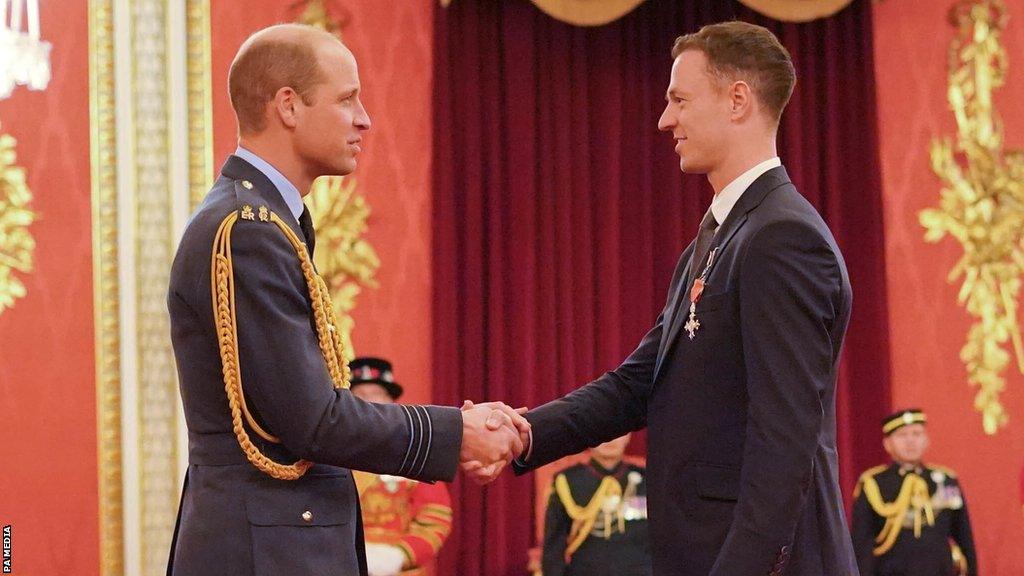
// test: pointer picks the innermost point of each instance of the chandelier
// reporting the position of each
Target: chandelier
(24, 59)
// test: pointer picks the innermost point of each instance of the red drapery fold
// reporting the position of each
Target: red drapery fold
(560, 212)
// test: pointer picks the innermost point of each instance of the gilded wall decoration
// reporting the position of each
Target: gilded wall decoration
(16, 242)
(343, 256)
(156, 409)
(106, 284)
(982, 205)
(200, 99)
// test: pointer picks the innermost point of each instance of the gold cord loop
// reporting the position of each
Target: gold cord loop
(223, 293)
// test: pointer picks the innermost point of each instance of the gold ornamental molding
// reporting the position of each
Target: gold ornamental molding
(16, 242)
(200, 100)
(156, 409)
(106, 310)
(982, 205)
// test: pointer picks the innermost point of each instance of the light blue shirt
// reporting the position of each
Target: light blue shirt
(288, 190)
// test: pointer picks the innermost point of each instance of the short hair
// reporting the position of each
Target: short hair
(267, 62)
(740, 50)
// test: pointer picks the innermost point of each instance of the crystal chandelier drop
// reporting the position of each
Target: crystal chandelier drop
(24, 58)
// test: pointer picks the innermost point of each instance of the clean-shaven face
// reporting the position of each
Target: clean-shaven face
(697, 113)
(328, 132)
(908, 444)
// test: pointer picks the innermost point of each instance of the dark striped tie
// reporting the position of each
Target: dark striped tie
(700, 252)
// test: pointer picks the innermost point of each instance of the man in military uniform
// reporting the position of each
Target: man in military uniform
(406, 521)
(596, 521)
(273, 429)
(910, 518)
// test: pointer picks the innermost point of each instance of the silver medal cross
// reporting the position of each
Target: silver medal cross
(692, 324)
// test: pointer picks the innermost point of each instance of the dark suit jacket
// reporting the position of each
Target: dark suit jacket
(742, 471)
(234, 519)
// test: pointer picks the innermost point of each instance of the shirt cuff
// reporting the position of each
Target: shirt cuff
(521, 461)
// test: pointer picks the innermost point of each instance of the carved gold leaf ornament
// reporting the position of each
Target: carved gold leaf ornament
(16, 242)
(345, 260)
(982, 205)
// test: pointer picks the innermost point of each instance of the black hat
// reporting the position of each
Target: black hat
(374, 371)
(902, 418)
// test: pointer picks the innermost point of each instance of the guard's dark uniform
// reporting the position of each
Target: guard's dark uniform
(924, 523)
(243, 326)
(596, 522)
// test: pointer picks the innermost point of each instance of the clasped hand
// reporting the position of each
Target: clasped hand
(493, 434)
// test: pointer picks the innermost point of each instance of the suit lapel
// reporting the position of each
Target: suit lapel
(747, 202)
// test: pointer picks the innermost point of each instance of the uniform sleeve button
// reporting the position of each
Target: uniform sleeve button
(307, 516)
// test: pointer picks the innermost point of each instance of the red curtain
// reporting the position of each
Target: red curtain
(560, 212)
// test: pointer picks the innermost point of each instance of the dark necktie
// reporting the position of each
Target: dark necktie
(700, 252)
(306, 223)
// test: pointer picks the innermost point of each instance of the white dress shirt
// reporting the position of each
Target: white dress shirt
(726, 199)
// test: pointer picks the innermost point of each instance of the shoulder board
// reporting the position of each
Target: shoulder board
(251, 206)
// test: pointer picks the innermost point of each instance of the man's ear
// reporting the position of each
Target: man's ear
(284, 106)
(741, 100)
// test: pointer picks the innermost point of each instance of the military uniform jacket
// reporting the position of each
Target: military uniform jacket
(909, 555)
(235, 519)
(612, 548)
(742, 470)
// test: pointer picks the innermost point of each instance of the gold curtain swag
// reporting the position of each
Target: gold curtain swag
(600, 12)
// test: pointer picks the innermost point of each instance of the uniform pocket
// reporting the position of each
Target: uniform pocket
(303, 527)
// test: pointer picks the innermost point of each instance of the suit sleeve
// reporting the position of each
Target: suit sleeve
(964, 536)
(287, 385)
(789, 292)
(604, 409)
(863, 533)
(556, 533)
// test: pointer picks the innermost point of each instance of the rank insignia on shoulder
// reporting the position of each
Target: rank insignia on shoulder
(264, 214)
(247, 213)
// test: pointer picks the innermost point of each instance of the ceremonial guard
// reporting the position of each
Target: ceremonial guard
(596, 520)
(406, 521)
(910, 518)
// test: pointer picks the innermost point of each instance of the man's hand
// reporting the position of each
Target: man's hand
(502, 419)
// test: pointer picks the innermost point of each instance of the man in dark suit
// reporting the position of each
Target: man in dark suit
(272, 427)
(736, 380)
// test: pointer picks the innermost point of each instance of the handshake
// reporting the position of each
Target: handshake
(493, 434)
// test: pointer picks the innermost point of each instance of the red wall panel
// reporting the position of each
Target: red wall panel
(912, 39)
(48, 457)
